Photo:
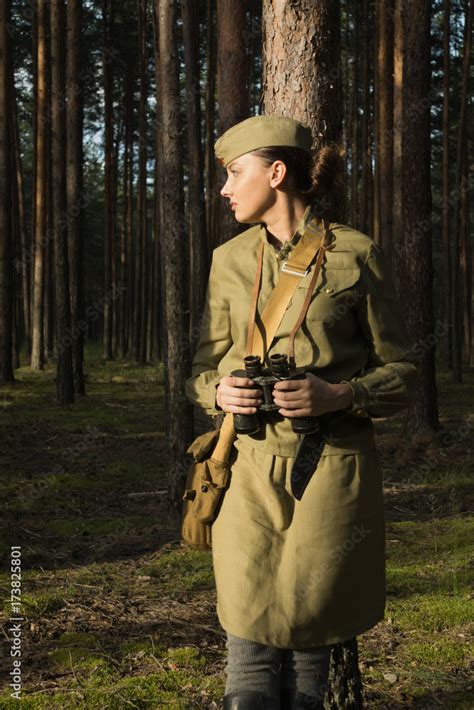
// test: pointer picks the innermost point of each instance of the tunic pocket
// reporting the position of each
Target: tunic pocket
(335, 295)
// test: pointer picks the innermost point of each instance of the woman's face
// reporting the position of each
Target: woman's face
(250, 187)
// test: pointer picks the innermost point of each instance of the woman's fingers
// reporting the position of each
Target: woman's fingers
(234, 409)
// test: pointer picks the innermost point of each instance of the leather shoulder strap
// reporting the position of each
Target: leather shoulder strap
(291, 274)
(259, 341)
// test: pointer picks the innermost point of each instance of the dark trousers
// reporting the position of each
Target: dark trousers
(273, 671)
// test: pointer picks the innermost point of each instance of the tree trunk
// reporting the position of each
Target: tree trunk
(158, 318)
(125, 239)
(115, 294)
(384, 127)
(177, 356)
(65, 379)
(412, 197)
(355, 123)
(346, 56)
(232, 95)
(456, 311)
(466, 261)
(107, 19)
(301, 65)
(365, 146)
(199, 257)
(37, 348)
(17, 222)
(6, 246)
(24, 246)
(142, 261)
(131, 247)
(446, 187)
(344, 682)
(74, 188)
(212, 196)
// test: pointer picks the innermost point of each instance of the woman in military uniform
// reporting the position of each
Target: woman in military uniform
(296, 576)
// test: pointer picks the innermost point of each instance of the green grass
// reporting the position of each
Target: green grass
(183, 570)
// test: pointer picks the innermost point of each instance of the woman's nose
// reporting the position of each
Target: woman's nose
(224, 191)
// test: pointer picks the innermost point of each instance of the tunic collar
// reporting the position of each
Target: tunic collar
(291, 243)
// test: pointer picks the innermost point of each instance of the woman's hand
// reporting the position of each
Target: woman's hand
(233, 395)
(310, 397)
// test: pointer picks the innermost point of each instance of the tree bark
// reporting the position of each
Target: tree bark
(446, 186)
(199, 257)
(24, 246)
(6, 246)
(456, 319)
(142, 261)
(126, 300)
(64, 379)
(212, 196)
(355, 122)
(366, 175)
(466, 261)
(384, 128)
(232, 95)
(301, 65)
(412, 198)
(158, 305)
(74, 188)
(107, 19)
(177, 356)
(344, 682)
(37, 348)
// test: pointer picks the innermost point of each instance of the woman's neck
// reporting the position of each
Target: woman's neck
(281, 221)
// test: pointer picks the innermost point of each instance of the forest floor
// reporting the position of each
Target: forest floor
(118, 614)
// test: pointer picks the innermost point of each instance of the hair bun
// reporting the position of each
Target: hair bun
(327, 178)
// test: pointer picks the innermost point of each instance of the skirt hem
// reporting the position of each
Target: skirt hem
(328, 640)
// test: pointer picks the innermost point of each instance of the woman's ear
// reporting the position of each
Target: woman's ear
(278, 172)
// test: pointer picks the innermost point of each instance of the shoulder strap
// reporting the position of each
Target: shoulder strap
(311, 287)
(312, 242)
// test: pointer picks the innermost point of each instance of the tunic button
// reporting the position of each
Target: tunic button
(329, 289)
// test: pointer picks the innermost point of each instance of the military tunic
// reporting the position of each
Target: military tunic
(289, 573)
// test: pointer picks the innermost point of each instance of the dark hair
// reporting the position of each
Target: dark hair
(318, 176)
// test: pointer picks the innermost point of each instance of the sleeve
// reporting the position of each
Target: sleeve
(214, 341)
(387, 384)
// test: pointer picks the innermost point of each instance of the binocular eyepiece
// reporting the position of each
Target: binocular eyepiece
(265, 378)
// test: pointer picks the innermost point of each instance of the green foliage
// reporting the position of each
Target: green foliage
(183, 570)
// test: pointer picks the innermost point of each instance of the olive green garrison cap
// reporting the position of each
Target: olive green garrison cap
(261, 132)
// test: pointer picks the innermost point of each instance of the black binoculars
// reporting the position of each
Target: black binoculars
(264, 378)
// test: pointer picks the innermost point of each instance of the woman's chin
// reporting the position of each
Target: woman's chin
(243, 218)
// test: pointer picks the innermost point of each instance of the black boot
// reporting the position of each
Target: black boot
(289, 700)
(286, 699)
(245, 700)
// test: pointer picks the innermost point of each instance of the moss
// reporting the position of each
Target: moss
(42, 604)
(439, 652)
(77, 639)
(183, 570)
(432, 612)
(76, 658)
(146, 647)
(186, 657)
(98, 527)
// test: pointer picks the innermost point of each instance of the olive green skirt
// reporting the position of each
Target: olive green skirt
(297, 574)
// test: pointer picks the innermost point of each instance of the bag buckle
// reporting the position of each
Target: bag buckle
(294, 271)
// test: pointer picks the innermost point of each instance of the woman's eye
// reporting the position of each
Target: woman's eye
(234, 172)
